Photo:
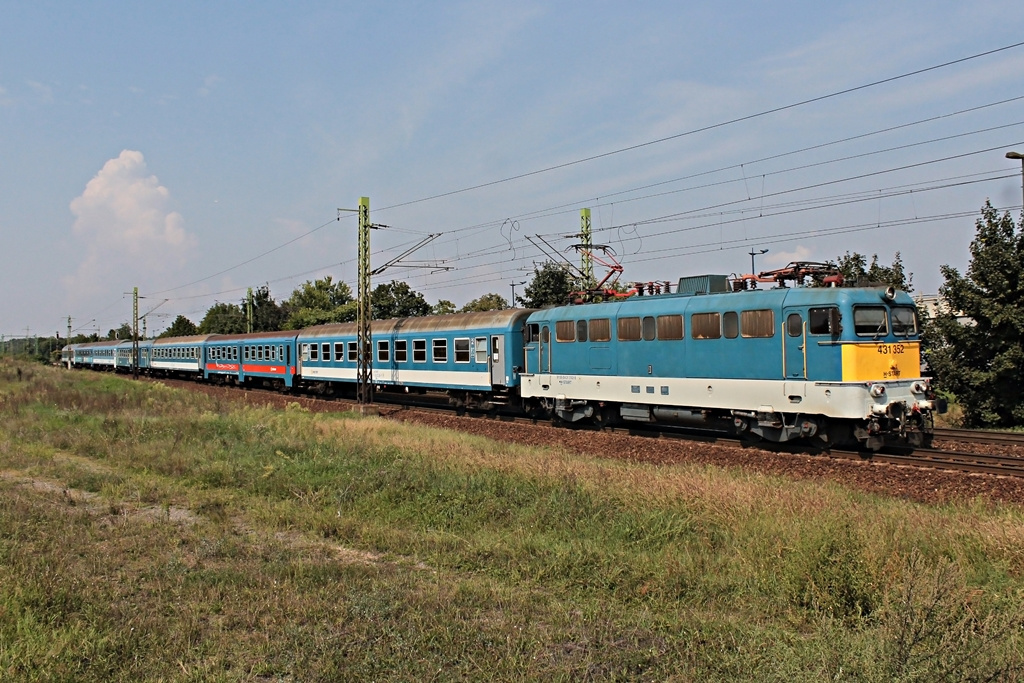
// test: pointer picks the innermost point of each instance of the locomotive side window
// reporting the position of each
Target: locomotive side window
(419, 350)
(545, 335)
(870, 321)
(462, 350)
(648, 328)
(794, 325)
(706, 325)
(600, 330)
(440, 350)
(731, 324)
(824, 321)
(565, 331)
(401, 350)
(581, 330)
(670, 327)
(532, 333)
(757, 324)
(904, 321)
(629, 329)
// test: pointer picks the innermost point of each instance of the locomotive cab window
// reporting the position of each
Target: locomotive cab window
(824, 321)
(532, 333)
(870, 321)
(794, 325)
(904, 321)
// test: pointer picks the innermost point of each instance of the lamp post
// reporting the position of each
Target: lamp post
(1018, 155)
(752, 255)
(514, 283)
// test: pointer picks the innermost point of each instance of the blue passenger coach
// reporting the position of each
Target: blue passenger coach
(264, 357)
(781, 364)
(476, 357)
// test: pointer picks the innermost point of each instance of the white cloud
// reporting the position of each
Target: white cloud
(209, 83)
(127, 229)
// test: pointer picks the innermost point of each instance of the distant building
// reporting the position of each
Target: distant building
(931, 305)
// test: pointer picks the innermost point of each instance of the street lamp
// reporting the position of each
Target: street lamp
(514, 283)
(752, 255)
(1018, 155)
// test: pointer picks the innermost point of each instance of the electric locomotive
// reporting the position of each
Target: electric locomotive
(839, 364)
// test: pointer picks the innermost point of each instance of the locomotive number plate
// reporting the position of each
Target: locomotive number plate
(891, 349)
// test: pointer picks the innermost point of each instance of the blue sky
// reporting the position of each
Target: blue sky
(167, 145)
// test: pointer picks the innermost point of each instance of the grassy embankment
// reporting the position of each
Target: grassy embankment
(148, 533)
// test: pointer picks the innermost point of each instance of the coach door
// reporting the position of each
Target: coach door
(497, 360)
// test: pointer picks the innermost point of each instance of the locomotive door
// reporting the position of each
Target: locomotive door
(794, 345)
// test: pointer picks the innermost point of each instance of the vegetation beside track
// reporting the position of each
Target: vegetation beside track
(148, 533)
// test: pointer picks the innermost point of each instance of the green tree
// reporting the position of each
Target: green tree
(488, 302)
(856, 271)
(980, 360)
(267, 314)
(551, 286)
(442, 307)
(123, 332)
(181, 327)
(397, 300)
(223, 319)
(319, 302)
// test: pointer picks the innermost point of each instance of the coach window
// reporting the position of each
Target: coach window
(757, 324)
(339, 352)
(314, 352)
(259, 353)
(705, 325)
(670, 327)
(480, 348)
(600, 330)
(649, 330)
(401, 351)
(904, 321)
(794, 325)
(565, 331)
(730, 324)
(383, 352)
(325, 352)
(419, 350)
(353, 352)
(629, 329)
(581, 330)
(870, 321)
(440, 350)
(462, 350)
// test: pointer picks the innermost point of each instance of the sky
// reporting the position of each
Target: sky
(196, 149)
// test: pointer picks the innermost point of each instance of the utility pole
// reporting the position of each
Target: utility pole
(135, 333)
(69, 329)
(364, 376)
(587, 260)
(514, 283)
(248, 311)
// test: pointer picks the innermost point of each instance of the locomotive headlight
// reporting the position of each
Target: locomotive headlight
(878, 390)
(919, 388)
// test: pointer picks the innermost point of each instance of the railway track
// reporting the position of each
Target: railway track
(959, 461)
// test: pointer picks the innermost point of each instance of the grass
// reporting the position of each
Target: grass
(153, 534)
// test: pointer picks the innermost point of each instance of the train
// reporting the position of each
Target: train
(828, 365)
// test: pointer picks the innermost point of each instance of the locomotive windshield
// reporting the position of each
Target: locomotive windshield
(870, 321)
(904, 321)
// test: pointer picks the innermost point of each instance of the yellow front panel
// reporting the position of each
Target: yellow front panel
(874, 362)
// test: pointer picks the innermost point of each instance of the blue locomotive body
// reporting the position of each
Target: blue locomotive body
(842, 364)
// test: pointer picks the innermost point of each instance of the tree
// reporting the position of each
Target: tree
(319, 302)
(181, 327)
(981, 362)
(551, 286)
(123, 332)
(267, 315)
(223, 319)
(442, 307)
(488, 302)
(397, 300)
(856, 271)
